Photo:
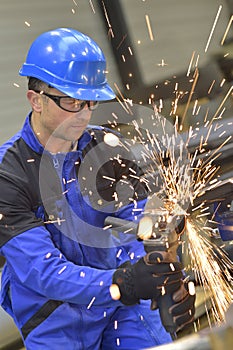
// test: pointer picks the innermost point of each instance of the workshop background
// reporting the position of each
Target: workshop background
(151, 47)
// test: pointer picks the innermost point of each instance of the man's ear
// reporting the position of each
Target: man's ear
(35, 100)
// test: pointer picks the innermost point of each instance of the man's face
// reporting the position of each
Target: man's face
(62, 124)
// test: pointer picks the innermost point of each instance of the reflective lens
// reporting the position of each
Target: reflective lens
(74, 105)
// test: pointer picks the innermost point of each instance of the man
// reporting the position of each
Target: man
(59, 181)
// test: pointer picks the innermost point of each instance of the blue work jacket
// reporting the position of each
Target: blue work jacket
(52, 231)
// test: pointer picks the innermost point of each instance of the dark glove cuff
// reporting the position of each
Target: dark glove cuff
(124, 278)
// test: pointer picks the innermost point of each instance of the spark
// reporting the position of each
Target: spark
(91, 302)
(221, 135)
(62, 269)
(132, 170)
(208, 266)
(213, 27)
(92, 6)
(149, 28)
(227, 30)
(163, 291)
(196, 76)
(222, 82)
(195, 107)
(191, 288)
(135, 177)
(109, 178)
(121, 42)
(57, 221)
(211, 87)
(190, 64)
(132, 255)
(130, 51)
(72, 180)
(223, 101)
(162, 64)
(184, 177)
(107, 227)
(119, 253)
(129, 230)
(110, 31)
(124, 105)
(172, 267)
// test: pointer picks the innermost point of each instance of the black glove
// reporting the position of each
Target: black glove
(183, 309)
(148, 277)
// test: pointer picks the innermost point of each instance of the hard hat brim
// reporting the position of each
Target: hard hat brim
(103, 93)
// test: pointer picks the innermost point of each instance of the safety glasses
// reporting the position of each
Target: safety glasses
(70, 104)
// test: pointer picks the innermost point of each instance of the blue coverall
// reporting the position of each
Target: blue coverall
(59, 259)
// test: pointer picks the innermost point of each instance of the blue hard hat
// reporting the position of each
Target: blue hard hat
(71, 62)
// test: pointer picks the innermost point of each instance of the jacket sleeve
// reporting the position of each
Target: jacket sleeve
(32, 258)
(134, 247)
(41, 267)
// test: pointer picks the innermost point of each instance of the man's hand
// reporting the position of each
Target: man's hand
(150, 277)
(184, 306)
